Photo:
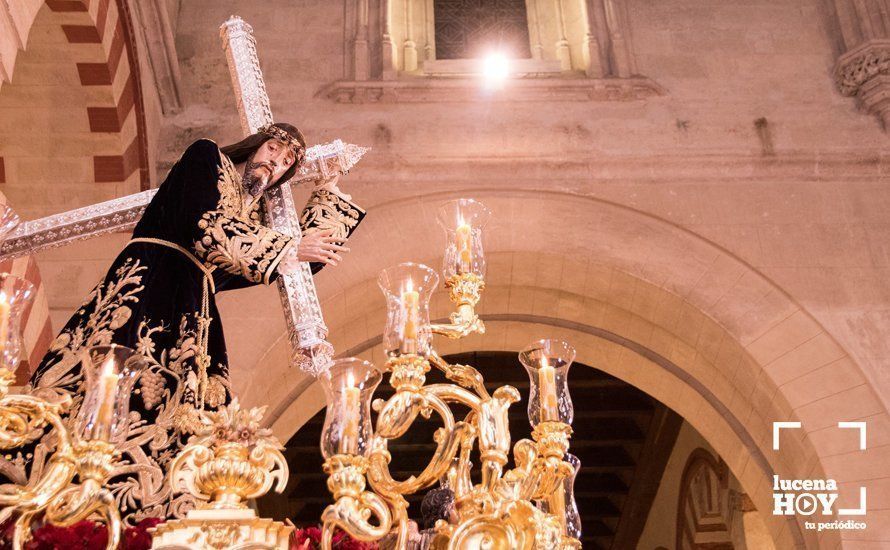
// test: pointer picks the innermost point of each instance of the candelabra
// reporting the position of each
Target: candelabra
(86, 449)
(500, 511)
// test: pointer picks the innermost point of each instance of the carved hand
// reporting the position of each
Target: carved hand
(321, 246)
(318, 246)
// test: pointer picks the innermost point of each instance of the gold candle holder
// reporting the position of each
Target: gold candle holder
(353, 506)
(346, 442)
(89, 453)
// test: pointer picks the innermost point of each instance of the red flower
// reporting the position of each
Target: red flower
(88, 535)
(7, 529)
(309, 538)
(85, 534)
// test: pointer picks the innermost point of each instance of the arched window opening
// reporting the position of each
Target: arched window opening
(466, 29)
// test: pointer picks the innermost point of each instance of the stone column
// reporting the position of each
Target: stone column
(616, 20)
(593, 66)
(429, 25)
(534, 28)
(389, 69)
(863, 70)
(563, 54)
(409, 48)
(154, 29)
(361, 59)
(746, 527)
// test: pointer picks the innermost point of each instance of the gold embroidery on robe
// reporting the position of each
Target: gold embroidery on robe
(110, 311)
(230, 187)
(329, 211)
(238, 246)
(233, 239)
(139, 480)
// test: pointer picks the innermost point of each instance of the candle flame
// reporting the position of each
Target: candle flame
(410, 286)
(544, 362)
(108, 365)
(350, 380)
(3, 297)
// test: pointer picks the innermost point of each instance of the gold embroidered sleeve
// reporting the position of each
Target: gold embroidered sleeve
(240, 246)
(329, 211)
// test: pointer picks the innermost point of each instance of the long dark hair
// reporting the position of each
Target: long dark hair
(244, 149)
(436, 505)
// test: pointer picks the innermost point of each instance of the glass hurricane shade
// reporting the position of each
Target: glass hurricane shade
(9, 220)
(348, 387)
(463, 221)
(408, 288)
(570, 505)
(547, 363)
(109, 374)
(15, 294)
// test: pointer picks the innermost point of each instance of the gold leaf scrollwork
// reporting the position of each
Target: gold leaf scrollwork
(231, 459)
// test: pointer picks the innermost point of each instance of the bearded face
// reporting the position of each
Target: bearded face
(266, 166)
(256, 177)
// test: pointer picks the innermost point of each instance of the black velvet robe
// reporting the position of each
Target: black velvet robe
(152, 300)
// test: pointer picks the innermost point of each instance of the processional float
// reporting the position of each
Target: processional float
(234, 459)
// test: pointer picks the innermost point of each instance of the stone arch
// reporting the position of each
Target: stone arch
(642, 299)
(72, 112)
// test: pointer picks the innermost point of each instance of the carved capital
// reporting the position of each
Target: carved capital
(864, 73)
(861, 64)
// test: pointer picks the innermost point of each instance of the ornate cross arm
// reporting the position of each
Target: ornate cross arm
(310, 350)
(123, 213)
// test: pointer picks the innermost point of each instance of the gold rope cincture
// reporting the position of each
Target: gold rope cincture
(203, 358)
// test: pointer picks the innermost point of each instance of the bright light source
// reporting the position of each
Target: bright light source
(495, 69)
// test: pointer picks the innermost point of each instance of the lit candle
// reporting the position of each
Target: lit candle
(547, 391)
(4, 321)
(411, 303)
(351, 395)
(464, 250)
(107, 388)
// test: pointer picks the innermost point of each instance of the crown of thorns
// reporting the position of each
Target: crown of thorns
(281, 135)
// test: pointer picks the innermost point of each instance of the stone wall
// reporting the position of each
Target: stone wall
(734, 221)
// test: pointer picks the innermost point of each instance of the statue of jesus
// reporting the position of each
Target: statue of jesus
(200, 235)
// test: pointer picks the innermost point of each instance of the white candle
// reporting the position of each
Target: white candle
(411, 303)
(547, 392)
(351, 417)
(464, 250)
(108, 379)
